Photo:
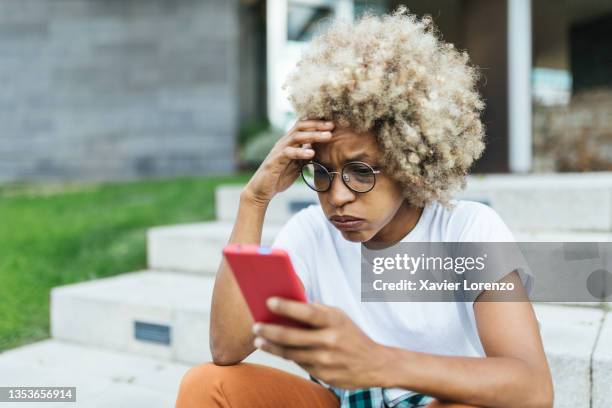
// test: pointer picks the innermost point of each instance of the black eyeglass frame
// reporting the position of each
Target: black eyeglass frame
(330, 175)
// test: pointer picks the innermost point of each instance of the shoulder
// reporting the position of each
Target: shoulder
(469, 209)
(311, 217)
(474, 221)
(304, 224)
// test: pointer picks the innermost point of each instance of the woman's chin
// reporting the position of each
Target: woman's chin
(355, 236)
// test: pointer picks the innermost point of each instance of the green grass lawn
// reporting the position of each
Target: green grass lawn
(56, 235)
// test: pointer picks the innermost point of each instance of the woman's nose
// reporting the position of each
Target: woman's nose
(339, 193)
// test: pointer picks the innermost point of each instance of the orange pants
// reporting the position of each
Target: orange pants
(250, 385)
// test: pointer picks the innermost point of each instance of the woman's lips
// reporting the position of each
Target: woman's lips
(348, 224)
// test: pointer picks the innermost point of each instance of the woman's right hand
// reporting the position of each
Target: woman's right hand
(282, 165)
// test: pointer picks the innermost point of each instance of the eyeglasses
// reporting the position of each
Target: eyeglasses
(357, 176)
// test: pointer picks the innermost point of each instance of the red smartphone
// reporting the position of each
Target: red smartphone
(261, 272)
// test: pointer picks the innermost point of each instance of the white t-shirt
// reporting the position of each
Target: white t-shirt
(330, 269)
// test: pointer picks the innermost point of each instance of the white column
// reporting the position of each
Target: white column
(519, 85)
(276, 18)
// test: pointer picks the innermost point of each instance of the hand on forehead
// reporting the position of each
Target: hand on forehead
(346, 145)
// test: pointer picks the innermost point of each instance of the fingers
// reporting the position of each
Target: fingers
(290, 336)
(313, 125)
(315, 314)
(306, 132)
(311, 137)
(298, 153)
(303, 356)
(289, 353)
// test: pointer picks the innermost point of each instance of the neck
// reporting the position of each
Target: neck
(404, 221)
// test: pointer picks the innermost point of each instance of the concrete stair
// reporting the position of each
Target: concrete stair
(539, 208)
(557, 202)
(169, 245)
(570, 336)
(151, 313)
(601, 366)
(197, 247)
(194, 247)
(103, 378)
(163, 312)
(104, 314)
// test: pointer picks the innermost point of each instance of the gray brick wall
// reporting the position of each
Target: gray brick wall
(117, 89)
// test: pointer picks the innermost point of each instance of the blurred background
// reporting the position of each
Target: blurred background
(128, 127)
(107, 89)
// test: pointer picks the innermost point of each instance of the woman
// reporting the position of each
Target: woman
(393, 112)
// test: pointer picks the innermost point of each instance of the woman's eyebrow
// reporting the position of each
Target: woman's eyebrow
(359, 157)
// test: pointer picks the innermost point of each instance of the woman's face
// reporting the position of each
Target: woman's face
(378, 207)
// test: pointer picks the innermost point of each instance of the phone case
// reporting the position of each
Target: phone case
(261, 272)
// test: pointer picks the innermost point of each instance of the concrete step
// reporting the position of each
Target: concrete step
(150, 313)
(602, 366)
(113, 313)
(566, 201)
(194, 247)
(197, 247)
(103, 378)
(561, 236)
(570, 335)
(290, 201)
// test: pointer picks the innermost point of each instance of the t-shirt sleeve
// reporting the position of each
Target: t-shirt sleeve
(296, 237)
(484, 224)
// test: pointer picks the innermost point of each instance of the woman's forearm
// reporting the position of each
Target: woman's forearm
(231, 338)
(479, 381)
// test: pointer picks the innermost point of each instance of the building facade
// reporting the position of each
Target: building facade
(531, 52)
(112, 90)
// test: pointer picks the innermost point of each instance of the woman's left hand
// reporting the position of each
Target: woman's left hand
(334, 350)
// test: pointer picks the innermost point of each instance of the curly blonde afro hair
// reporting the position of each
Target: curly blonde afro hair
(393, 76)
